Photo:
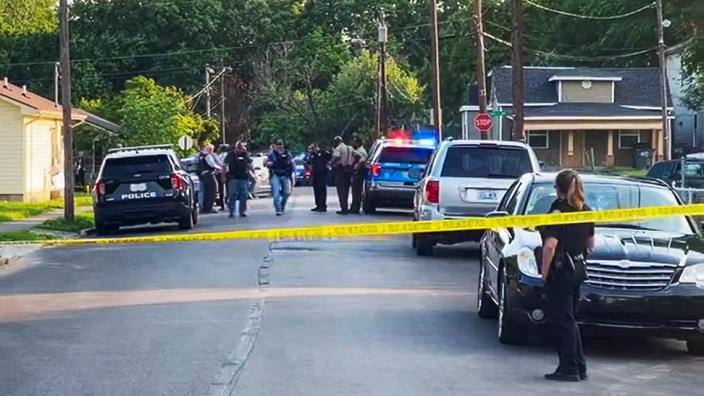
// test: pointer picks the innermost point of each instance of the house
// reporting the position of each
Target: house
(688, 128)
(576, 117)
(31, 165)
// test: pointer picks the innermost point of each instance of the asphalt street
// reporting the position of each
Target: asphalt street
(333, 317)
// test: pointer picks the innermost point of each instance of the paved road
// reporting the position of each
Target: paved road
(345, 317)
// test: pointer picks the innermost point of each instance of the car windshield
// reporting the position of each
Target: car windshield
(407, 155)
(694, 169)
(130, 166)
(486, 162)
(604, 196)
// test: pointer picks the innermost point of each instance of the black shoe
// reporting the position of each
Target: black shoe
(231, 215)
(243, 214)
(342, 212)
(562, 377)
(583, 376)
(279, 214)
(315, 209)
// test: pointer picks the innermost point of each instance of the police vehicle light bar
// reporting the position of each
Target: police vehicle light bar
(137, 148)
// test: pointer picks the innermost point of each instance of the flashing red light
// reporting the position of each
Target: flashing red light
(99, 187)
(432, 191)
(177, 182)
(376, 169)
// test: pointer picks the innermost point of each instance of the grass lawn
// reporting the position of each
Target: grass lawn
(10, 211)
(617, 171)
(81, 222)
(24, 235)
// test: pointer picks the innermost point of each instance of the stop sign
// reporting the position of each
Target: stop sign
(482, 122)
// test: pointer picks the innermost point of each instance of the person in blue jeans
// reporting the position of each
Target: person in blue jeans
(280, 162)
(238, 166)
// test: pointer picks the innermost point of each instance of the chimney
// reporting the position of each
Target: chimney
(24, 90)
(6, 84)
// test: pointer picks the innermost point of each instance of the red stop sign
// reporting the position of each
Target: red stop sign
(482, 122)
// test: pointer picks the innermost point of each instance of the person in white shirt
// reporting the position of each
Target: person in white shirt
(359, 168)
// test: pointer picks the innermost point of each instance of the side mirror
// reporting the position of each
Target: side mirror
(497, 213)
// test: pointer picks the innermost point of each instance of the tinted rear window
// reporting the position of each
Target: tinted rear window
(142, 165)
(407, 155)
(486, 162)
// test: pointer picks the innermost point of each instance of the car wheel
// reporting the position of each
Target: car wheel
(102, 229)
(194, 214)
(695, 347)
(424, 246)
(186, 222)
(509, 333)
(486, 309)
(368, 206)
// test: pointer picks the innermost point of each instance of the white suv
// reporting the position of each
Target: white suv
(467, 178)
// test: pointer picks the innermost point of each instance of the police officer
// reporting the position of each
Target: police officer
(280, 162)
(563, 270)
(318, 163)
(359, 169)
(238, 166)
(207, 166)
(341, 164)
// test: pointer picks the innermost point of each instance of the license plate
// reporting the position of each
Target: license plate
(138, 187)
(489, 195)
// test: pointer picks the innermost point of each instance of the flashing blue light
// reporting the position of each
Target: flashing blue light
(427, 142)
(426, 137)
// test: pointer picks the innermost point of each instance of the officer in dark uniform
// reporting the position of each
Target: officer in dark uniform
(564, 270)
(206, 172)
(318, 163)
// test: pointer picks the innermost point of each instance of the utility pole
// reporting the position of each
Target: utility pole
(383, 102)
(65, 59)
(222, 105)
(57, 77)
(208, 70)
(377, 110)
(437, 106)
(481, 68)
(517, 69)
(667, 136)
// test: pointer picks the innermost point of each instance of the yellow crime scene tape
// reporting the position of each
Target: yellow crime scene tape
(399, 227)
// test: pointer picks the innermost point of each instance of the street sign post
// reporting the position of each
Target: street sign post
(185, 142)
(482, 122)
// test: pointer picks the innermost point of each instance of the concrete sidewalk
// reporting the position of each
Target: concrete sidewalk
(30, 222)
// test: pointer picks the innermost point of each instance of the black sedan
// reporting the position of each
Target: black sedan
(645, 276)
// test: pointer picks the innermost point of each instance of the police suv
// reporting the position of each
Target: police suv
(394, 168)
(140, 185)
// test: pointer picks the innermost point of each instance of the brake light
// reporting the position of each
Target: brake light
(432, 191)
(177, 182)
(99, 187)
(376, 169)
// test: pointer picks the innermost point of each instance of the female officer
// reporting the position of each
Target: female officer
(563, 271)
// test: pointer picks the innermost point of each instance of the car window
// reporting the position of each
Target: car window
(130, 166)
(507, 196)
(407, 155)
(603, 196)
(694, 169)
(486, 162)
(659, 170)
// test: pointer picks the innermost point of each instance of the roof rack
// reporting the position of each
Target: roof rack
(137, 148)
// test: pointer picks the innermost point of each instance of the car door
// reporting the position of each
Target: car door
(495, 239)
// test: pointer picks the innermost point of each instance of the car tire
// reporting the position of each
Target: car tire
(186, 222)
(695, 347)
(194, 214)
(102, 229)
(486, 308)
(368, 206)
(424, 246)
(509, 332)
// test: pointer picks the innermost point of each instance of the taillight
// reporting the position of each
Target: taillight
(376, 169)
(432, 191)
(177, 182)
(99, 187)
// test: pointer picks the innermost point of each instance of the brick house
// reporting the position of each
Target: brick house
(572, 113)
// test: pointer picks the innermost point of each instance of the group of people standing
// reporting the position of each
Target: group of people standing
(348, 166)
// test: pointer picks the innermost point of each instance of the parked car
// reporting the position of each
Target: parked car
(190, 165)
(304, 177)
(261, 174)
(671, 172)
(467, 178)
(395, 167)
(644, 276)
(140, 185)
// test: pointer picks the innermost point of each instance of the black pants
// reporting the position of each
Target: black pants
(357, 184)
(209, 186)
(561, 309)
(342, 182)
(320, 189)
(221, 193)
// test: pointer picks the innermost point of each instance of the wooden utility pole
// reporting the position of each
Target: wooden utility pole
(481, 68)
(437, 105)
(222, 106)
(517, 70)
(207, 91)
(377, 110)
(383, 103)
(667, 136)
(65, 59)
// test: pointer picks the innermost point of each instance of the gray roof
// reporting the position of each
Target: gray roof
(587, 109)
(99, 122)
(638, 87)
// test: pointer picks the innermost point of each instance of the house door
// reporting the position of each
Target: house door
(572, 143)
(596, 143)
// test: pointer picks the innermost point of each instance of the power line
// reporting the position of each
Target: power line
(594, 17)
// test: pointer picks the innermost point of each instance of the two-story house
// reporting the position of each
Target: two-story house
(572, 114)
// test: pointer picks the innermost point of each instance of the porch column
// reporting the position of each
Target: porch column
(570, 143)
(654, 144)
(661, 146)
(610, 149)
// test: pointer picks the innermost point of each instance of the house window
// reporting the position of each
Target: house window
(539, 139)
(628, 140)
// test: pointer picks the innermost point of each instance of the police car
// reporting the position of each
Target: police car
(395, 166)
(140, 185)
